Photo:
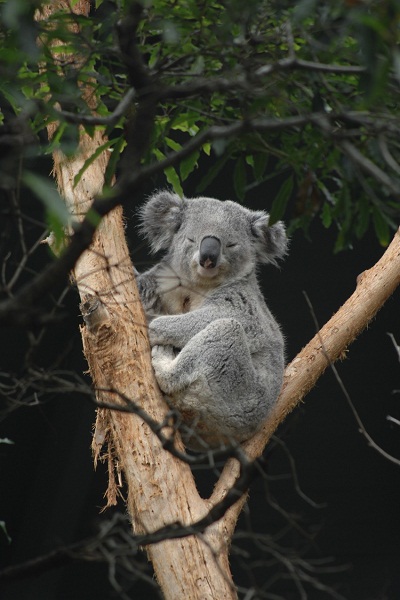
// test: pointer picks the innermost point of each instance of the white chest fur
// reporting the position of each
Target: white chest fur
(177, 294)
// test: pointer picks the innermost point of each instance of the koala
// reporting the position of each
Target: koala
(217, 351)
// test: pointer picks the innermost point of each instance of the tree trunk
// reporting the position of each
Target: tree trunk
(161, 489)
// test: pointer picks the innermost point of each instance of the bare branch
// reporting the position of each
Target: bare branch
(171, 420)
(112, 545)
(346, 394)
(111, 119)
(296, 63)
(390, 161)
(369, 167)
(374, 287)
(395, 344)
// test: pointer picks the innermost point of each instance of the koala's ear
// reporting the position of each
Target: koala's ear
(161, 217)
(271, 242)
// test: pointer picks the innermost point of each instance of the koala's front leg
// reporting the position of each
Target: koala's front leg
(162, 333)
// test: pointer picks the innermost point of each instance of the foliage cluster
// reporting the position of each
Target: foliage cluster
(314, 86)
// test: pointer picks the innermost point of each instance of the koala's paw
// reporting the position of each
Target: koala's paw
(155, 335)
(162, 358)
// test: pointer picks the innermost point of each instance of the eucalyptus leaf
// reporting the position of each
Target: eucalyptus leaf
(212, 173)
(3, 528)
(381, 227)
(188, 165)
(280, 202)
(240, 178)
(45, 190)
(108, 144)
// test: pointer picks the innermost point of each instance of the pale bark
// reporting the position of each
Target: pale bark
(161, 489)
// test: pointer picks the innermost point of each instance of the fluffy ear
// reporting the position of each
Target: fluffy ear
(161, 217)
(271, 242)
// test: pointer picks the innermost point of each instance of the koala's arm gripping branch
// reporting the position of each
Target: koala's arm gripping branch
(178, 330)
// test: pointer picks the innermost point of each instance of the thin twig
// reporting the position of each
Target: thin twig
(360, 424)
(111, 119)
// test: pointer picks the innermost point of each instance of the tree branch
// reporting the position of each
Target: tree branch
(292, 62)
(16, 310)
(345, 393)
(369, 167)
(374, 287)
(80, 119)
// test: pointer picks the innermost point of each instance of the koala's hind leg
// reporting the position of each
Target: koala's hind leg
(214, 375)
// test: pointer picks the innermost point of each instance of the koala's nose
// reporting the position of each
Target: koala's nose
(210, 249)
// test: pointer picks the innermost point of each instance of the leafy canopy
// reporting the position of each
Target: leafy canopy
(305, 94)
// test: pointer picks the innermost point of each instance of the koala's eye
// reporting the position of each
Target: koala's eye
(190, 240)
(231, 245)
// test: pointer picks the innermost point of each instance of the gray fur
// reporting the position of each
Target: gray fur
(217, 352)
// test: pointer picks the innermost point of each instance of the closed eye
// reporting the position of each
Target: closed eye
(231, 245)
(190, 240)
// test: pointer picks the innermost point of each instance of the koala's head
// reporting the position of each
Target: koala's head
(209, 241)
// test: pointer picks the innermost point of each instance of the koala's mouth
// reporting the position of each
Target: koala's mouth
(208, 271)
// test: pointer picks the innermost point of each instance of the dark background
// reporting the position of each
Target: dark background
(50, 494)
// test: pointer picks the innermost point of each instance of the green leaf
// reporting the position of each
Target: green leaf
(279, 204)
(172, 144)
(66, 137)
(58, 233)
(219, 146)
(173, 178)
(113, 161)
(188, 165)
(240, 179)
(92, 158)
(170, 173)
(11, 97)
(326, 215)
(363, 218)
(90, 129)
(46, 191)
(381, 226)
(207, 148)
(212, 173)
(260, 164)
(3, 528)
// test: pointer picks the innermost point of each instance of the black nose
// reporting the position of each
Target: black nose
(210, 249)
